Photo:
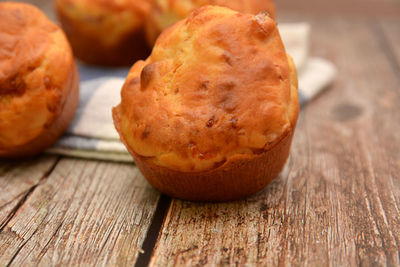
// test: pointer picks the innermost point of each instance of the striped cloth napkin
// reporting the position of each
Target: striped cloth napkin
(92, 133)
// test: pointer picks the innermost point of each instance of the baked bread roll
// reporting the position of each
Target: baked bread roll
(211, 113)
(39, 84)
(105, 32)
(166, 12)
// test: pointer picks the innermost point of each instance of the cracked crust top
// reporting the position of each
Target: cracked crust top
(216, 85)
(166, 12)
(36, 62)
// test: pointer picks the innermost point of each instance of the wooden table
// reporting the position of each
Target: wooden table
(336, 203)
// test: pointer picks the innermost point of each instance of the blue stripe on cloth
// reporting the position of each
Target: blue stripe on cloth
(92, 77)
(87, 72)
(97, 75)
(302, 98)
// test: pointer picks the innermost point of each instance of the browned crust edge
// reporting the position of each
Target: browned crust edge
(132, 47)
(238, 177)
(153, 29)
(50, 135)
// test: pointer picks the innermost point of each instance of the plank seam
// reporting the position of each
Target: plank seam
(154, 231)
(20, 248)
(27, 195)
(15, 198)
(45, 247)
(386, 48)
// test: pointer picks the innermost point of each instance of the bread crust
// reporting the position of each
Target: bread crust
(38, 79)
(50, 134)
(236, 178)
(213, 121)
(104, 32)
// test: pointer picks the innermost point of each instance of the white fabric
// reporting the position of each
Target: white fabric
(296, 37)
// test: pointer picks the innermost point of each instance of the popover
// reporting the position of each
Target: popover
(211, 113)
(105, 32)
(39, 84)
(166, 12)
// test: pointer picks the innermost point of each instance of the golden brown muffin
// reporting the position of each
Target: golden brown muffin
(166, 12)
(211, 113)
(39, 84)
(105, 32)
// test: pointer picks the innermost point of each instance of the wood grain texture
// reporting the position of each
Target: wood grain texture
(84, 213)
(340, 8)
(337, 202)
(18, 180)
(390, 38)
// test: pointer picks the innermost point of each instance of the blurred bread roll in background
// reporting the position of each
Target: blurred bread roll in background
(105, 32)
(211, 113)
(166, 12)
(39, 83)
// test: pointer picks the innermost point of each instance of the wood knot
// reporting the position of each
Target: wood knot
(346, 111)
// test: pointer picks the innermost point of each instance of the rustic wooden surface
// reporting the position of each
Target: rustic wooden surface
(337, 203)
(83, 212)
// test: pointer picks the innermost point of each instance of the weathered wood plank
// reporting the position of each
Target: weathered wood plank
(391, 35)
(84, 213)
(340, 8)
(337, 202)
(17, 180)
